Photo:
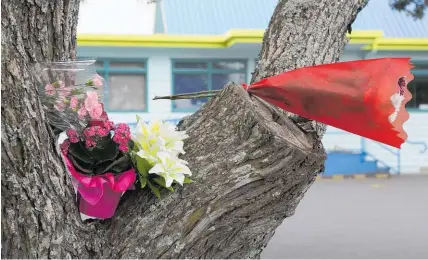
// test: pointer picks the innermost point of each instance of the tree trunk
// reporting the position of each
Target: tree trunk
(251, 163)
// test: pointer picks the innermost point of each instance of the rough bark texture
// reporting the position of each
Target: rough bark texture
(251, 163)
(38, 211)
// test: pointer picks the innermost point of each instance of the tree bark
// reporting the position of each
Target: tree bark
(251, 163)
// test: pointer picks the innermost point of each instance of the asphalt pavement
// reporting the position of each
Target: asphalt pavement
(370, 218)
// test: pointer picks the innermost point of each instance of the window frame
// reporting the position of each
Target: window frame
(106, 71)
(206, 71)
(418, 72)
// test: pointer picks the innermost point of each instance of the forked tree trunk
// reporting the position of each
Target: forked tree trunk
(251, 163)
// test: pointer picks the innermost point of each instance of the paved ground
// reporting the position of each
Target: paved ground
(370, 218)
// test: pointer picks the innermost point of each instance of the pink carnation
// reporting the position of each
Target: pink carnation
(91, 99)
(97, 81)
(82, 112)
(49, 89)
(95, 111)
(74, 102)
(92, 105)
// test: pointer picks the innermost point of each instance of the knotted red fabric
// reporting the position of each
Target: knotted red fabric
(364, 97)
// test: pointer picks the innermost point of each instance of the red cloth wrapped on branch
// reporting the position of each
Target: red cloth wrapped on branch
(365, 97)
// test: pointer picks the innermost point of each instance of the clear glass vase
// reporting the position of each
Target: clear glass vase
(66, 86)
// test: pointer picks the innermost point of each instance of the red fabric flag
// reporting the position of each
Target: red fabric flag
(364, 97)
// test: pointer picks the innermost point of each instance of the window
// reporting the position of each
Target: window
(419, 89)
(126, 84)
(195, 75)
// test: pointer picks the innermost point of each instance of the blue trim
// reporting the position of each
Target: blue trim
(206, 71)
(131, 70)
(416, 110)
(419, 72)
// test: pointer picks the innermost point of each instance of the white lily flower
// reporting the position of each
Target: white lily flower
(171, 168)
(173, 138)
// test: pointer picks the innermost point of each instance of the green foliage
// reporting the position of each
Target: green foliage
(415, 8)
(154, 189)
(106, 157)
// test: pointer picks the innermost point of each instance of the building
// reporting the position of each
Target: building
(179, 46)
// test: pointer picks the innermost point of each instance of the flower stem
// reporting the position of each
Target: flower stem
(200, 94)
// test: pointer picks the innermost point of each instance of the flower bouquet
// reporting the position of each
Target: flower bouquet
(155, 150)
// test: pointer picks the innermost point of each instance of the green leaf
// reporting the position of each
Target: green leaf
(121, 164)
(187, 180)
(106, 150)
(143, 166)
(78, 151)
(138, 118)
(161, 182)
(143, 181)
(81, 166)
(154, 189)
(103, 167)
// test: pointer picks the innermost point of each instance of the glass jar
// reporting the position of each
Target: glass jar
(71, 92)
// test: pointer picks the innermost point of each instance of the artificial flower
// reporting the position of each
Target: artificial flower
(149, 150)
(173, 139)
(170, 168)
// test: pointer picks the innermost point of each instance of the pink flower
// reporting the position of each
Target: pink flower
(109, 125)
(89, 132)
(100, 121)
(97, 81)
(82, 112)
(72, 135)
(74, 139)
(74, 102)
(95, 111)
(91, 99)
(90, 143)
(122, 134)
(64, 146)
(92, 105)
(101, 131)
(49, 89)
(123, 148)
